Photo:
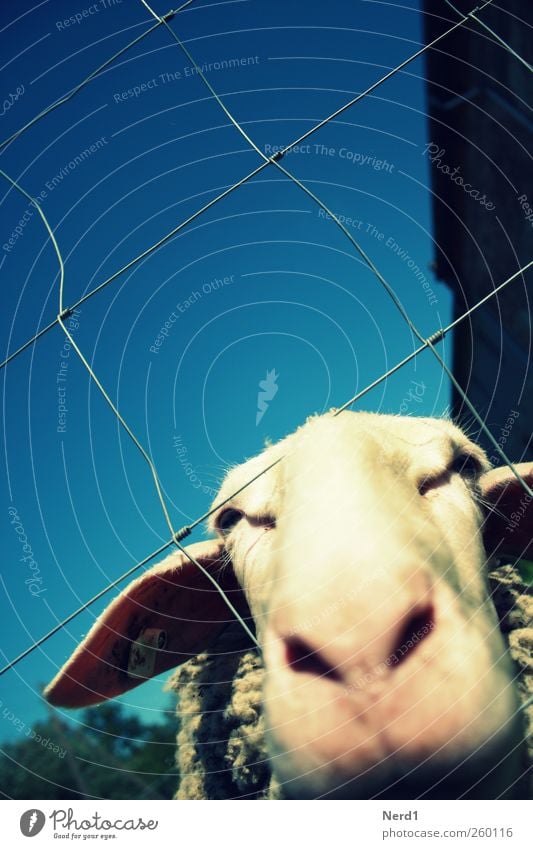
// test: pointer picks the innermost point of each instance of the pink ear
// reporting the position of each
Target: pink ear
(159, 621)
(508, 526)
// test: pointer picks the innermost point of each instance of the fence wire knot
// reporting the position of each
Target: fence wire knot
(436, 337)
(183, 533)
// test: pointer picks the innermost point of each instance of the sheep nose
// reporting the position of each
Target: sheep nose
(344, 659)
(301, 658)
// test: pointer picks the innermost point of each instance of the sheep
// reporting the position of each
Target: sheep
(380, 664)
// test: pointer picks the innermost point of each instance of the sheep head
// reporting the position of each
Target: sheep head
(361, 562)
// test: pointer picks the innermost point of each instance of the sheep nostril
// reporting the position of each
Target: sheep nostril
(301, 658)
(416, 627)
(415, 630)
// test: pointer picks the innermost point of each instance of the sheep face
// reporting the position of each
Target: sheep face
(361, 558)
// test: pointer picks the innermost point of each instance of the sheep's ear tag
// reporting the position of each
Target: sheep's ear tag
(143, 652)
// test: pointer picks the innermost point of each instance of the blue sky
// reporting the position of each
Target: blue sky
(262, 281)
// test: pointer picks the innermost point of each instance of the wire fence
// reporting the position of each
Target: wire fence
(178, 535)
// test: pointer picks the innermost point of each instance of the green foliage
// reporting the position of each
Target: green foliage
(525, 567)
(108, 754)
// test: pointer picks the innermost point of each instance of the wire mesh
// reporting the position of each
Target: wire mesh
(267, 161)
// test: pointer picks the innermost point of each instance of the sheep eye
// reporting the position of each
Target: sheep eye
(228, 519)
(465, 465)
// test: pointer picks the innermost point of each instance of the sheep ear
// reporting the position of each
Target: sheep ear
(508, 525)
(159, 621)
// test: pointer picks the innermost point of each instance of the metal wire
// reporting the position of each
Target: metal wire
(275, 160)
(267, 161)
(122, 422)
(368, 261)
(92, 75)
(187, 530)
(494, 34)
(388, 288)
(83, 607)
(176, 536)
(49, 230)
